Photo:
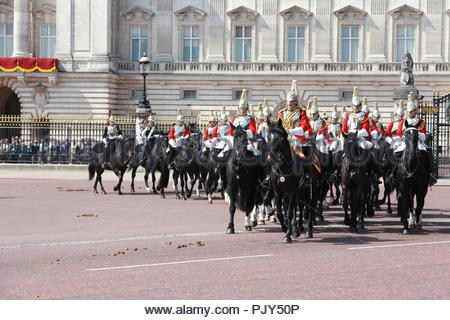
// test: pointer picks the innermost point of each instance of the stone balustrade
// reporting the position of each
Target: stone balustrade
(224, 67)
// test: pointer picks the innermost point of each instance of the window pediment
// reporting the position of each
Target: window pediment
(243, 12)
(296, 11)
(350, 11)
(45, 13)
(183, 13)
(406, 11)
(137, 12)
(6, 9)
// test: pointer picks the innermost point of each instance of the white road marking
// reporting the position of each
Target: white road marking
(400, 245)
(180, 262)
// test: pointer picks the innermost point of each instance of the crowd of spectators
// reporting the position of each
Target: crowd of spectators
(45, 151)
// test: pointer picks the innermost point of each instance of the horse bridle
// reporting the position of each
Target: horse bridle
(409, 174)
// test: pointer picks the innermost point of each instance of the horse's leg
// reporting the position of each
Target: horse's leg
(99, 176)
(280, 216)
(310, 213)
(154, 191)
(389, 208)
(354, 210)
(293, 208)
(420, 202)
(119, 185)
(232, 210)
(95, 183)
(133, 175)
(147, 172)
(289, 217)
(184, 184)
(403, 211)
(175, 176)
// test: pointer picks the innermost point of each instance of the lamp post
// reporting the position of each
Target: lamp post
(144, 104)
(143, 109)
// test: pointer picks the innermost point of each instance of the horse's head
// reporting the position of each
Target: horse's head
(193, 127)
(411, 134)
(278, 143)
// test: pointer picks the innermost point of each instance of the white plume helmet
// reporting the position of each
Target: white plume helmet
(150, 118)
(212, 117)
(267, 110)
(259, 114)
(356, 100)
(334, 113)
(400, 111)
(293, 93)
(365, 105)
(224, 115)
(376, 112)
(243, 102)
(412, 104)
(314, 108)
(180, 117)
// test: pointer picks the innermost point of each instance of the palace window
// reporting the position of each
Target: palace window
(243, 44)
(48, 41)
(190, 94)
(139, 42)
(296, 44)
(6, 40)
(405, 41)
(349, 43)
(191, 43)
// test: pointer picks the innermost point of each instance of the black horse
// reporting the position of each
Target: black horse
(413, 180)
(355, 180)
(287, 177)
(121, 152)
(182, 157)
(242, 178)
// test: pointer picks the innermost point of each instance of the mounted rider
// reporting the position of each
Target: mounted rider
(335, 130)
(295, 121)
(177, 134)
(392, 128)
(111, 134)
(377, 129)
(149, 130)
(244, 120)
(220, 132)
(265, 114)
(412, 120)
(208, 132)
(319, 127)
(358, 120)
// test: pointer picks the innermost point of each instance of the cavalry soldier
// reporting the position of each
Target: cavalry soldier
(334, 130)
(377, 128)
(243, 118)
(212, 123)
(150, 129)
(222, 128)
(413, 120)
(318, 125)
(245, 121)
(357, 121)
(295, 122)
(177, 133)
(111, 134)
(265, 114)
(391, 129)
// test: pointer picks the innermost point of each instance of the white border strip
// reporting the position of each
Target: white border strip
(179, 262)
(400, 245)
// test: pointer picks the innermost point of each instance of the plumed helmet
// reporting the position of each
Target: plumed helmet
(335, 114)
(314, 107)
(224, 115)
(180, 117)
(150, 119)
(412, 103)
(356, 100)
(243, 102)
(399, 110)
(293, 93)
(365, 105)
(212, 117)
(376, 112)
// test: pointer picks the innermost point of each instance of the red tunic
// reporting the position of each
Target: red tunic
(378, 127)
(172, 133)
(323, 130)
(421, 127)
(251, 126)
(364, 124)
(206, 134)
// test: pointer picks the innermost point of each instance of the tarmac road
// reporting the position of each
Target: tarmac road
(58, 240)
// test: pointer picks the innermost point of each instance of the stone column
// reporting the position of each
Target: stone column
(267, 25)
(322, 35)
(433, 32)
(377, 31)
(215, 31)
(21, 27)
(163, 24)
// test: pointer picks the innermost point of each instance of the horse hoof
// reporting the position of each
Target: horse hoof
(389, 210)
(360, 226)
(295, 234)
(347, 222)
(178, 197)
(308, 235)
(353, 230)
(405, 231)
(163, 196)
(377, 208)
(321, 218)
(148, 189)
(248, 228)
(287, 239)
(184, 198)
(155, 192)
(418, 227)
(95, 191)
(261, 222)
(230, 231)
(210, 201)
(115, 188)
(189, 196)
(104, 192)
(132, 190)
(120, 193)
(335, 202)
(253, 224)
(273, 219)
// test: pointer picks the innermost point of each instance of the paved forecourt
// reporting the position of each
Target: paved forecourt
(58, 240)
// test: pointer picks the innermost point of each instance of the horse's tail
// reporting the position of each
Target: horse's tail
(91, 168)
